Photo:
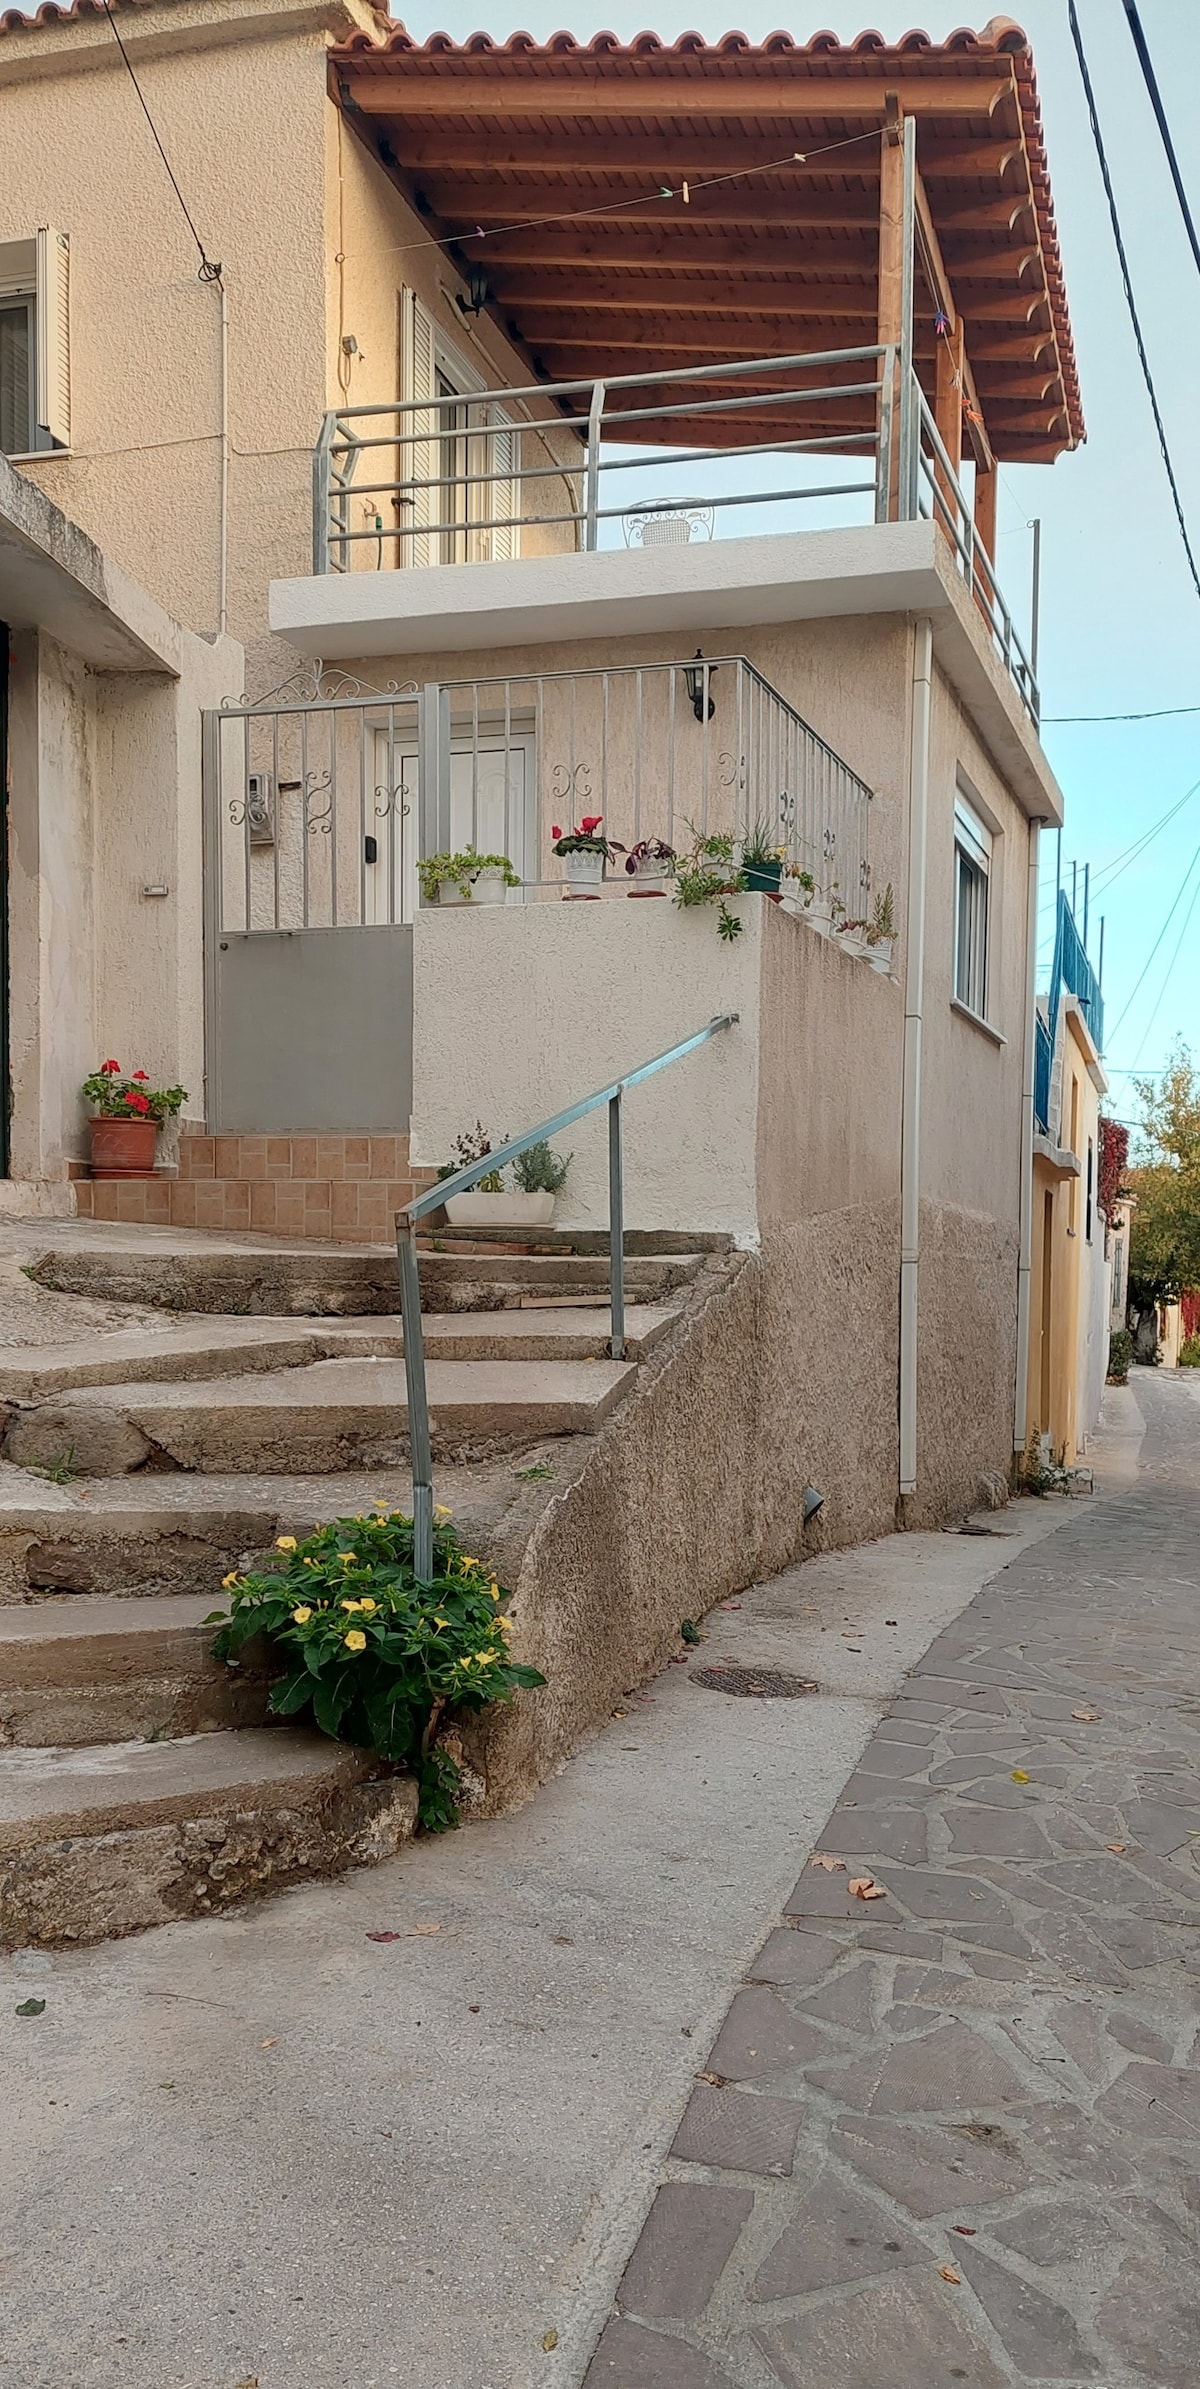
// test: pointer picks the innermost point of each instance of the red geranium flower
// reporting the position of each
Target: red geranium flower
(110, 1069)
(136, 1103)
(143, 1075)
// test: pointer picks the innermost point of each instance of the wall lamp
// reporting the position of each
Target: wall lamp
(479, 291)
(811, 1502)
(698, 679)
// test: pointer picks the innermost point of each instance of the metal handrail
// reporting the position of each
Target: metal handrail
(460, 1183)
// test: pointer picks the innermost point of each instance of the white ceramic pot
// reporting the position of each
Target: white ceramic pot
(880, 955)
(452, 891)
(500, 1210)
(489, 887)
(819, 914)
(851, 943)
(583, 873)
(648, 880)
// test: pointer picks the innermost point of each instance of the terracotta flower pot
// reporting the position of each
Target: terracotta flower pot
(123, 1148)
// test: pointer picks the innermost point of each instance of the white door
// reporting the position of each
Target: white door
(491, 783)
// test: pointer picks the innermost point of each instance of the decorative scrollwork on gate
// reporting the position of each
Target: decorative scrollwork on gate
(318, 819)
(393, 801)
(570, 782)
(732, 772)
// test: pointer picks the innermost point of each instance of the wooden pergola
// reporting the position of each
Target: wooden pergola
(643, 207)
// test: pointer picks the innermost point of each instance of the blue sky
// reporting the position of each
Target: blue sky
(1120, 618)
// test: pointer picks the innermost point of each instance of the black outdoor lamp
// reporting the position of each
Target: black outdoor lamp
(479, 291)
(698, 680)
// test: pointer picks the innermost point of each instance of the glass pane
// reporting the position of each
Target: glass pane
(16, 425)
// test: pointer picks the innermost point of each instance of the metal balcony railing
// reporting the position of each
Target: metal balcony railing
(485, 476)
(1071, 973)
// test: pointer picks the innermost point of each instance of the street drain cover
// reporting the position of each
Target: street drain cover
(754, 1683)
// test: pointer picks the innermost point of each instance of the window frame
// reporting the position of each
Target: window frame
(13, 302)
(974, 854)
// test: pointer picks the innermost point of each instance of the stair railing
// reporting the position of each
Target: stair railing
(461, 1182)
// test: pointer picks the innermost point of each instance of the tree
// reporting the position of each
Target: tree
(1164, 1244)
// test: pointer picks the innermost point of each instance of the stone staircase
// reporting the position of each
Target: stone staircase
(139, 1779)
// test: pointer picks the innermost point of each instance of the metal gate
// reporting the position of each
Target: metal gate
(311, 837)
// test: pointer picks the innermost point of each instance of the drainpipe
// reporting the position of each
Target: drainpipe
(914, 980)
(1025, 1255)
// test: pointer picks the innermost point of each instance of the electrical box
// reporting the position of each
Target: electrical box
(260, 808)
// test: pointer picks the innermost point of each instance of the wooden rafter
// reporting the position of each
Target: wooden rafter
(818, 101)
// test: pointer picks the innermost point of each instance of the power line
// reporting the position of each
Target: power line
(1151, 82)
(1120, 862)
(1130, 301)
(210, 270)
(1158, 940)
(1159, 714)
(1170, 967)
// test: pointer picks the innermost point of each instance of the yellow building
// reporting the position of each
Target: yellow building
(1071, 1291)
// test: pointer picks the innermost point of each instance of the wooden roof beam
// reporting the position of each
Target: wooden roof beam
(692, 250)
(401, 89)
(635, 294)
(956, 390)
(555, 149)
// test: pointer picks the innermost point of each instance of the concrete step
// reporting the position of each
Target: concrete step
(86, 1671)
(212, 1347)
(110, 1838)
(160, 1532)
(286, 1281)
(331, 1415)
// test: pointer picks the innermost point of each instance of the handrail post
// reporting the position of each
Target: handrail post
(616, 1229)
(419, 1447)
(321, 470)
(592, 476)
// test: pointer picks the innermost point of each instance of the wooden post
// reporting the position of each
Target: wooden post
(986, 485)
(948, 413)
(890, 297)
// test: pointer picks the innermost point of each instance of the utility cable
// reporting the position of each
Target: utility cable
(1160, 714)
(1151, 82)
(1167, 980)
(210, 270)
(1179, 893)
(1130, 301)
(1120, 862)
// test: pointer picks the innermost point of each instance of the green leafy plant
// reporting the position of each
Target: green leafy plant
(540, 1170)
(689, 1631)
(1120, 1355)
(708, 876)
(114, 1096)
(585, 838)
(461, 871)
(882, 924)
(371, 1655)
(761, 850)
(474, 1145)
(1189, 1352)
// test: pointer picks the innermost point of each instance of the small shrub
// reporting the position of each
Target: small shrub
(372, 1656)
(1189, 1352)
(541, 1170)
(1120, 1355)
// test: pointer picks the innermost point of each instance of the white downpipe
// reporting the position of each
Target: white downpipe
(223, 567)
(914, 983)
(1025, 1256)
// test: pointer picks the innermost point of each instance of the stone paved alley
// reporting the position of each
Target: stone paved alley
(492, 2105)
(952, 2135)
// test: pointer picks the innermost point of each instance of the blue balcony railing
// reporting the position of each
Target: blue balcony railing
(1071, 973)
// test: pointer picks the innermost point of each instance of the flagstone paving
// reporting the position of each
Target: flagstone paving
(952, 2135)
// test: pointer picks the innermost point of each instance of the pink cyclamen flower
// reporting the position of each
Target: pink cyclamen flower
(556, 832)
(590, 823)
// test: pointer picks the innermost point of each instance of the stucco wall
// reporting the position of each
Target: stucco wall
(239, 95)
(104, 800)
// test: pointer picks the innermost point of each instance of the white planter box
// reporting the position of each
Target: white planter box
(880, 955)
(583, 873)
(647, 883)
(487, 887)
(500, 1210)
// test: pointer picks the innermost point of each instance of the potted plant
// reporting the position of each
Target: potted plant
(539, 1175)
(851, 935)
(651, 863)
(584, 853)
(881, 932)
(708, 876)
(466, 877)
(761, 862)
(126, 1112)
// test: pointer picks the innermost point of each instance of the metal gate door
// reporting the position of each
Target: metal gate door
(311, 835)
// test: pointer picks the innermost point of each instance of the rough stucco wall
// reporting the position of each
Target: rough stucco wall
(520, 1012)
(51, 901)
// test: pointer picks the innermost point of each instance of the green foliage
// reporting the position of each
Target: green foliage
(882, 923)
(1120, 1354)
(474, 1145)
(461, 871)
(761, 850)
(1189, 1353)
(541, 1170)
(1164, 1241)
(115, 1096)
(371, 1656)
(689, 1631)
(729, 924)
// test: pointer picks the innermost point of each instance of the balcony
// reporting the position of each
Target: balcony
(1071, 973)
(832, 440)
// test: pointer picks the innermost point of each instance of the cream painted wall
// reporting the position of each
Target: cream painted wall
(519, 1013)
(104, 773)
(238, 90)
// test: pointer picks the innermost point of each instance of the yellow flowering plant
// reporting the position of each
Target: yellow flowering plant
(373, 1657)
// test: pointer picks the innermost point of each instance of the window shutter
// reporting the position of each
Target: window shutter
(502, 495)
(54, 335)
(417, 461)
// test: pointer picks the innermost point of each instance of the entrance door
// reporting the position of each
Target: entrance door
(491, 786)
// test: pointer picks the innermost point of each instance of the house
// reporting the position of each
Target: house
(1078, 1253)
(608, 429)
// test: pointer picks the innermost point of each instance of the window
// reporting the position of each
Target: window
(450, 524)
(972, 874)
(35, 362)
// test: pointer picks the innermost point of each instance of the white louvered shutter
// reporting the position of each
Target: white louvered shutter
(504, 493)
(54, 335)
(418, 461)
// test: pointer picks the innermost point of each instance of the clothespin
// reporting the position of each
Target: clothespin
(941, 323)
